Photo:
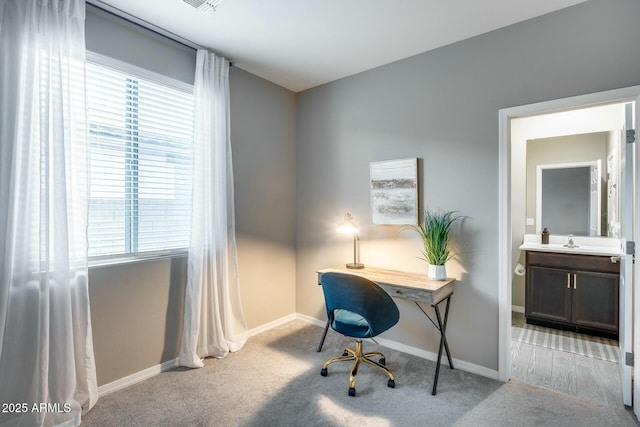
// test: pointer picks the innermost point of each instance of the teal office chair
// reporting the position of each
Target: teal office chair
(358, 308)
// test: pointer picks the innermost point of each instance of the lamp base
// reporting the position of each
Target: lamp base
(355, 266)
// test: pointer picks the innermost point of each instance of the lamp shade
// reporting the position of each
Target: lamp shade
(348, 226)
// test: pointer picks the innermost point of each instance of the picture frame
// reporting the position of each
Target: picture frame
(394, 192)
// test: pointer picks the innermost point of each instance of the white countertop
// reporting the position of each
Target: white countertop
(585, 245)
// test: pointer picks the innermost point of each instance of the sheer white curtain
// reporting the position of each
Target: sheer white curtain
(214, 323)
(47, 370)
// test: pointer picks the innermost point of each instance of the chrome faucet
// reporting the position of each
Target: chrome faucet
(571, 243)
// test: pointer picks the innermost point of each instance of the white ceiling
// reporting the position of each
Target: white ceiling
(300, 44)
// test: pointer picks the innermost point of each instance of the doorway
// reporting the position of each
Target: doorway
(510, 212)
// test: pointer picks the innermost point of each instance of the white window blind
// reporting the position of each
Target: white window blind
(140, 135)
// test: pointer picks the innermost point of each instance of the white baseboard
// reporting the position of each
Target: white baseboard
(310, 319)
(137, 377)
(457, 363)
(517, 308)
(132, 379)
(272, 324)
(394, 345)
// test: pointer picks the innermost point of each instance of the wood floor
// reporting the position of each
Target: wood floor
(588, 378)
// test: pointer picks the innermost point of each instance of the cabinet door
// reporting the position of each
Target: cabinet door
(595, 301)
(548, 294)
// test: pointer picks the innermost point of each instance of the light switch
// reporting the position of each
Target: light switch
(530, 221)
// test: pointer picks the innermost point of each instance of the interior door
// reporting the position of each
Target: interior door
(626, 260)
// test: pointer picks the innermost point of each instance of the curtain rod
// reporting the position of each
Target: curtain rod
(147, 25)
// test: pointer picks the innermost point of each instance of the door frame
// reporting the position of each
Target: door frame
(505, 248)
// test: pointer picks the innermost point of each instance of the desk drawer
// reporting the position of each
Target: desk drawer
(410, 294)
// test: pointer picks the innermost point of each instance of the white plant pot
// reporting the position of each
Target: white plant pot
(437, 272)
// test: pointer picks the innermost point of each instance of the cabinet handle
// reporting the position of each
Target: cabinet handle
(575, 281)
(568, 280)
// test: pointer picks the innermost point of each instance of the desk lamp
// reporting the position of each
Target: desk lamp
(349, 227)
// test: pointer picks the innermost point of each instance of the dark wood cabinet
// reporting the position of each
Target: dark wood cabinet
(595, 301)
(575, 292)
(549, 297)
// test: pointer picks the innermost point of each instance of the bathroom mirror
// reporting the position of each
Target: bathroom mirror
(568, 199)
(572, 184)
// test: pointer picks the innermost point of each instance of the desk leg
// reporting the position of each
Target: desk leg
(446, 344)
(443, 341)
(324, 334)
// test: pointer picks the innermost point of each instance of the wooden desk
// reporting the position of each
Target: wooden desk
(411, 286)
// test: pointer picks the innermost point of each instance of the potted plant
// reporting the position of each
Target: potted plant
(435, 232)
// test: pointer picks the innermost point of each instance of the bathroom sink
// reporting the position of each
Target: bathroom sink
(584, 245)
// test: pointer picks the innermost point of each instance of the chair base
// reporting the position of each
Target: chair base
(358, 357)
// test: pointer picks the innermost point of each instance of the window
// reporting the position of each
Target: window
(140, 135)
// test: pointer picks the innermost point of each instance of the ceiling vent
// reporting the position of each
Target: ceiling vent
(203, 5)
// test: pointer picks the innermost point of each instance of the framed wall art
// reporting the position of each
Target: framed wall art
(394, 192)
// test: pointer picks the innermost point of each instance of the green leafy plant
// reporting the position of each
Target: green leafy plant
(435, 232)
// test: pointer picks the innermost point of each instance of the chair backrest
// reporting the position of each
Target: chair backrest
(362, 297)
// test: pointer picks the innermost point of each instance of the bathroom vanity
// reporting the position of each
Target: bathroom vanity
(572, 288)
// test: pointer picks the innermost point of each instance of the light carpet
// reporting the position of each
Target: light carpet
(519, 404)
(568, 341)
(275, 381)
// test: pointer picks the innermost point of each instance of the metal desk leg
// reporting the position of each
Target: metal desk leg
(443, 341)
(324, 334)
(446, 344)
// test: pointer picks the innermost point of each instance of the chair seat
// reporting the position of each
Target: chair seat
(350, 324)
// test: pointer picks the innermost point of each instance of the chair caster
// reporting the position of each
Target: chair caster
(323, 372)
(391, 384)
(352, 391)
(382, 361)
(346, 353)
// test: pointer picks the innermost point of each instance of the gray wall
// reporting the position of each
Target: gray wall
(117, 38)
(136, 312)
(263, 120)
(442, 107)
(137, 308)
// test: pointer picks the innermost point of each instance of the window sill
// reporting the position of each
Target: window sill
(135, 258)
